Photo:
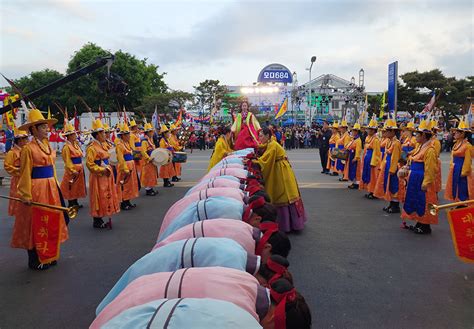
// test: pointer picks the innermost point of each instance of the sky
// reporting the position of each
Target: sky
(233, 40)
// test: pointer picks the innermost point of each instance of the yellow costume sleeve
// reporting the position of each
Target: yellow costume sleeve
(437, 146)
(466, 166)
(396, 152)
(358, 150)
(376, 153)
(144, 151)
(163, 143)
(68, 165)
(430, 167)
(26, 167)
(9, 166)
(91, 165)
(267, 160)
(122, 165)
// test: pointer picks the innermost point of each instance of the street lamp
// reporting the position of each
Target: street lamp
(313, 59)
(294, 95)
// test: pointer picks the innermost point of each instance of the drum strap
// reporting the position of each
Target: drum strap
(175, 284)
(201, 210)
(187, 253)
(161, 322)
(198, 229)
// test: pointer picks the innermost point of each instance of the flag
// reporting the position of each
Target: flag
(429, 106)
(100, 113)
(180, 118)
(155, 119)
(366, 102)
(283, 108)
(382, 106)
(49, 113)
(461, 223)
(76, 119)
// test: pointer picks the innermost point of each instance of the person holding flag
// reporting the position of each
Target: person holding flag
(38, 230)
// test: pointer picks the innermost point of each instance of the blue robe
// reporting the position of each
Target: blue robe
(195, 252)
(210, 208)
(184, 313)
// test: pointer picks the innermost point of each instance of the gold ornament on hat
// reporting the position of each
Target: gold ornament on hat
(34, 117)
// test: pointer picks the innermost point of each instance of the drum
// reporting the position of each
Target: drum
(161, 157)
(137, 155)
(339, 154)
(180, 157)
(113, 157)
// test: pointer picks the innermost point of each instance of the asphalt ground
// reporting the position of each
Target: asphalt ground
(354, 265)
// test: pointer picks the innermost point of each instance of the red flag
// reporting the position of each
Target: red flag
(100, 113)
(461, 222)
(46, 233)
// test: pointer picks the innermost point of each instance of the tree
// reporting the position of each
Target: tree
(206, 93)
(40, 79)
(142, 79)
(166, 103)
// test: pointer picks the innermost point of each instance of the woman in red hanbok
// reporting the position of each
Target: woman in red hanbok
(245, 129)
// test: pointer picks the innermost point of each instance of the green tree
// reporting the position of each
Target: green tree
(206, 93)
(40, 79)
(166, 103)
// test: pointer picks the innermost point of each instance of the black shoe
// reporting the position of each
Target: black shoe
(38, 266)
(174, 179)
(353, 186)
(334, 174)
(387, 209)
(133, 205)
(166, 183)
(422, 229)
(394, 208)
(125, 206)
(99, 223)
(151, 192)
(53, 263)
(323, 172)
(34, 263)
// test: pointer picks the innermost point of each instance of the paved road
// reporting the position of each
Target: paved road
(355, 266)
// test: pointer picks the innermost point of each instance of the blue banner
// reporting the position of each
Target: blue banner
(275, 73)
(392, 86)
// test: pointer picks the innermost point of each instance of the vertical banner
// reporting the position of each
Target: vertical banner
(461, 222)
(46, 233)
(392, 87)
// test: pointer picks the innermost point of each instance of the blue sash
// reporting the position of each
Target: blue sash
(128, 157)
(138, 144)
(104, 161)
(415, 199)
(339, 164)
(42, 172)
(352, 165)
(366, 170)
(459, 188)
(76, 160)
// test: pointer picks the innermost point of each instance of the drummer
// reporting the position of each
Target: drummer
(344, 139)
(149, 175)
(177, 148)
(136, 145)
(127, 176)
(73, 185)
(166, 171)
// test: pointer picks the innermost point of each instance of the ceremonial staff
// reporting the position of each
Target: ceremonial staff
(71, 211)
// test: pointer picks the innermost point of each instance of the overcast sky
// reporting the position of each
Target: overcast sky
(233, 40)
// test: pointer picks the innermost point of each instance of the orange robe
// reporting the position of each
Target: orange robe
(166, 171)
(402, 182)
(331, 164)
(462, 152)
(73, 185)
(437, 147)
(102, 191)
(371, 143)
(424, 156)
(149, 175)
(386, 186)
(136, 146)
(354, 147)
(12, 167)
(127, 176)
(177, 148)
(343, 140)
(44, 190)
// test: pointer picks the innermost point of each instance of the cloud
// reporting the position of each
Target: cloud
(70, 8)
(19, 33)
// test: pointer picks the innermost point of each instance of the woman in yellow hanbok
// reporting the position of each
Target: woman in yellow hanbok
(280, 184)
(222, 148)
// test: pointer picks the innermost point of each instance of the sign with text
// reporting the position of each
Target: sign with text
(275, 73)
(392, 86)
(461, 222)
